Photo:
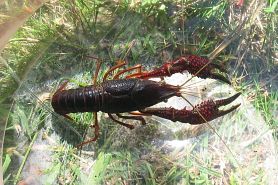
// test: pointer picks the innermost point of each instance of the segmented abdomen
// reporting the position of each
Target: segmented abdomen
(85, 99)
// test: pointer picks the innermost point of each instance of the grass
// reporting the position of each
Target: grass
(53, 45)
(266, 103)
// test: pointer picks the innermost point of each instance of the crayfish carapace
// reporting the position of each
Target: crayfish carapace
(137, 93)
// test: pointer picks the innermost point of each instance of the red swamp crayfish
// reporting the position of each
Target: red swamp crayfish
(137, 93)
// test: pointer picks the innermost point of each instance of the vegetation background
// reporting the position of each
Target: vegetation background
(44, 42)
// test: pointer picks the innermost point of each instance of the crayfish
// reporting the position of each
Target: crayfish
(136, 92)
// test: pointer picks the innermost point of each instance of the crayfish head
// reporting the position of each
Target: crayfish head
(147, 93)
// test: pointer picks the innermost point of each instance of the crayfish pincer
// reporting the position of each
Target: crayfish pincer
(201, 113)
(137, 93)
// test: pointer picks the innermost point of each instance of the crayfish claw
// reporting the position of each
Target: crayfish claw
(227, 100)
(220, 77)
(201, 113)
(218, 103)
(219, 67)
(203, 68)
(227, 111)
(195, 65)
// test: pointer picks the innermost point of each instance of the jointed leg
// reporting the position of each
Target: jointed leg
(96, 127)
(138, 113)
(62, 86)
(68, 117)
(135, 75)
(121, 123)
(139, 118)
(97, 71)
(138, 67)
(120, 64)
